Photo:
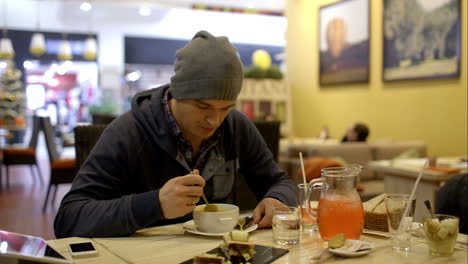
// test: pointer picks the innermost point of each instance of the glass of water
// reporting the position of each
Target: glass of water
(286, 225)
(399, 225)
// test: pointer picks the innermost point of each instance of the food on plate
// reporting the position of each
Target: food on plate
(244, 223)
(238, 252)
(208, 259)
(337, 241)
(230, 253)
(238, 235)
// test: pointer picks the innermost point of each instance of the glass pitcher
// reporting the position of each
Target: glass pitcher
(340, 207)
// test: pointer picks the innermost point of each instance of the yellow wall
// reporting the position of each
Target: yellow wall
(434, 111)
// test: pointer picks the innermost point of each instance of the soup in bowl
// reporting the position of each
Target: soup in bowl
(223, 220)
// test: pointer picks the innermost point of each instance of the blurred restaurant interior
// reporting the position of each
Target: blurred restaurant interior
(309, 64)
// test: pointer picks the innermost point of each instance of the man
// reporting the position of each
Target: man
(152, 164)
(357, 133)
(452, 197)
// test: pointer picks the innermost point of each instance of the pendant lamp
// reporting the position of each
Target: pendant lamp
(6, 48)
(37, 47)
(90, 49)
(65, 51)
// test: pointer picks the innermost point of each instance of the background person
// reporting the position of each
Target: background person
(357, 133)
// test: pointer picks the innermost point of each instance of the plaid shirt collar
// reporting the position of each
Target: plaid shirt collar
(184, 146)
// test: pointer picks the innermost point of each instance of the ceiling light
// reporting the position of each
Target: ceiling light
(86, 6)
(28, 64)
(144, 11)
(65, 51)
(90, 50)
(6, 49)
(37, 47)
(133, 76)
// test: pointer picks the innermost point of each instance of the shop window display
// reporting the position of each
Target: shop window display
(64, 91)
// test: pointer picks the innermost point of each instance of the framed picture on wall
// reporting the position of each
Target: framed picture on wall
(248, 108)
(344, 42)
(281, 111)
(421, 39)
(265, 109)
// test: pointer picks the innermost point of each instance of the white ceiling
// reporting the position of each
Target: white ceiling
(113, 19)
(269, 5)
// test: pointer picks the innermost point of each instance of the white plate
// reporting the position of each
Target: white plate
(190, 227)
(342, 252)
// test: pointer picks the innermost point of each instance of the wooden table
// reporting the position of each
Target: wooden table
(171, 244)
(400, 176)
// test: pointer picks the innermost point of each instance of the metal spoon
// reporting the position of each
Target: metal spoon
(208, 207)
(429, 208)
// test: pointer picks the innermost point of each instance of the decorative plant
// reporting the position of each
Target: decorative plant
(105, 105)
(12, 97)
(262, 67)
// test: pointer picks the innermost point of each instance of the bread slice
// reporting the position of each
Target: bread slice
(241, 245)
(208, 259)
(375, 203)
(381, 208)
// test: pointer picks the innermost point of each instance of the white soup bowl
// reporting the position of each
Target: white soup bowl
(225, 220)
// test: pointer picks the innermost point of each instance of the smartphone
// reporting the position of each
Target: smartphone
(82, 249)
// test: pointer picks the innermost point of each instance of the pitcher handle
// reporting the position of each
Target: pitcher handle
(315, 184)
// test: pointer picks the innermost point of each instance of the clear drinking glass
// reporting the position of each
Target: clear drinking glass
(308, 223)
(400, 231)
(441, 234)
(286, 226)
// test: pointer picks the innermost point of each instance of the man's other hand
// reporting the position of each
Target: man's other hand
(180, 195)
(263, 213)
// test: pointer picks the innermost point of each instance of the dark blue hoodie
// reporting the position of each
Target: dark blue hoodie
(116, 191)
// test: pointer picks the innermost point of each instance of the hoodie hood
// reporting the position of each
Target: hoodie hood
(146, 108)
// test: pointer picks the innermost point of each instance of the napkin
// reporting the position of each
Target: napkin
(443, 169)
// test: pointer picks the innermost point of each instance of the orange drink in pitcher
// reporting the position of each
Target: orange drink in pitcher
(340, 209)
(340, 216)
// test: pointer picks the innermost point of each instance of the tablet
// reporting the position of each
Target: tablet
(15, 247)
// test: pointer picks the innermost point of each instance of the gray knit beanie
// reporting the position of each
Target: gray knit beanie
(207, 68)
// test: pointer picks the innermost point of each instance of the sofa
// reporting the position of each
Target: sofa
(350, 153)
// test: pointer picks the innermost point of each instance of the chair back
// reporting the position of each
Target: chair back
(270, 131)
(244, 198)
(85, 139)
(35, 132)
(102, 119)
(49, 134)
